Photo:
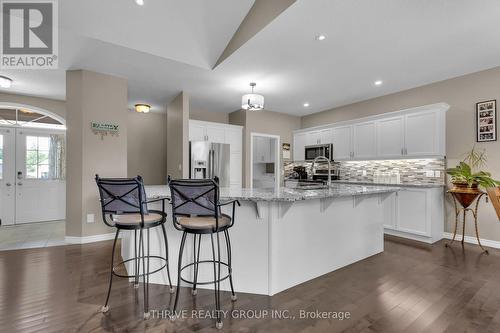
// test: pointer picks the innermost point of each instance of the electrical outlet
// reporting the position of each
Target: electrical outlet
(429, 173)
(180, 167)
(90, 218)
(437, 173)
(364, 172)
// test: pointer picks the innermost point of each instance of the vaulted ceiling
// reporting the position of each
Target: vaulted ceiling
(169, 46)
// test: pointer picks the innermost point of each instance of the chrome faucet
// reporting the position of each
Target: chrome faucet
(329, 183)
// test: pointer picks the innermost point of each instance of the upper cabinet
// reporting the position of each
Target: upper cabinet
(364, 140)
(390, 137)
(263, 151)
(412, 133)
(424, 134)
(342, 142)
(299, 143)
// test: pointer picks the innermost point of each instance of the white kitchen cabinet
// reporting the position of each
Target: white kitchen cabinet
(424, 134)
(390, 137)
(364, 140)
(234, 137)
(263, 151)
(299, 143)
(342, 143)
(197, 132)
(413, 133)
(415, 213)
(216, 134)
(222, 133)
(319, 137)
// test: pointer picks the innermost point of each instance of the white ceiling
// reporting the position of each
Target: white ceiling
(165, 47)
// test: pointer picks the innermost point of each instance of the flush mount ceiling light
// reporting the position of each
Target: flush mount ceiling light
(378, 82)
(139, 2)
(320, 37)
(252, 101)
(5, 82)
(142, 108)
(306, 105)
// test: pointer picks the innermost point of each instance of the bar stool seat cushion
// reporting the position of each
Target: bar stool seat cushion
(203, 222)
(133, 219)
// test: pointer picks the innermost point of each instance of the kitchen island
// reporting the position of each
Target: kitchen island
(282, 237)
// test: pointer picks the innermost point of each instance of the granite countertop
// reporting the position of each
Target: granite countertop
(421, 185)
(283, 193)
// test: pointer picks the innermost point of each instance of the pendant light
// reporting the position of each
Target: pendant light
(252, 102)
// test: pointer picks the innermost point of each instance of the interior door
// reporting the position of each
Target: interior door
(40, 189)
(7, 176)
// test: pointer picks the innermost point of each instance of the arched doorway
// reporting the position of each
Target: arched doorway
(32, 165)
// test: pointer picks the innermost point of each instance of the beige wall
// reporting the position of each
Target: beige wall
(216, 117)
(461, 94)
(90, 97)
(147, 146)
(267, 122)
(52, 105)
(178, 136)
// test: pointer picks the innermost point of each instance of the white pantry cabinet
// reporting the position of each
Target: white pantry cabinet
(222, 133)
(413, 133)
(415, 213)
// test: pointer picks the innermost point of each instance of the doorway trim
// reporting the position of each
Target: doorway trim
(277, 157)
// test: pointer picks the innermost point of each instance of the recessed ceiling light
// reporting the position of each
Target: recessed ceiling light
(306, 105)
(139, 2)
(378, 82)
(320, 37)
(5, 82)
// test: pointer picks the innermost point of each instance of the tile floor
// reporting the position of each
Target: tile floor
(32, 235)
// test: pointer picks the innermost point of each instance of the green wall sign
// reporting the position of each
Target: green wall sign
(104, 127)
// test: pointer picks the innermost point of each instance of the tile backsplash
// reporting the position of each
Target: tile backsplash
(411, 171)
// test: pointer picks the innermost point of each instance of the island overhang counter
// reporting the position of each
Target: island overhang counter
(281, 237)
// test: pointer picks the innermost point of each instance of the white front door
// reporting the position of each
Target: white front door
(7, 176)
(40, 193)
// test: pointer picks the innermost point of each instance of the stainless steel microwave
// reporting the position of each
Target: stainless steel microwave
(311, 152)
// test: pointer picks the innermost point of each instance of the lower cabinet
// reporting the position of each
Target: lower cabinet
(415, 213)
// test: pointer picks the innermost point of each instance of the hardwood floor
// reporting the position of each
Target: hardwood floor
(409, 288)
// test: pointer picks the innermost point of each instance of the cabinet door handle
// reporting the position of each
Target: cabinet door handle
(402, 151)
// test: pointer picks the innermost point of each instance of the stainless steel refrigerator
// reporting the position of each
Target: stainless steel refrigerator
(208, 160)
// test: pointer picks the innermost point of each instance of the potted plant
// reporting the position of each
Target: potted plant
(467, 179)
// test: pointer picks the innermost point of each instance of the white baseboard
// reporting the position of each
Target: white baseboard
(473, 240)
(89, 239)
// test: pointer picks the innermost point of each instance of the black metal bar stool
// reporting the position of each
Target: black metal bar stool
(124, 207)
(196, 210)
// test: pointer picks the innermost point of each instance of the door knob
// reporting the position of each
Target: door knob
(19, 183)
(8, 184)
